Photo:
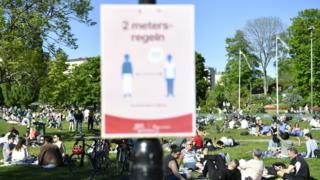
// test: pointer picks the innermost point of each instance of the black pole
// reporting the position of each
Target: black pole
(147, 160)
(147, 157)
(147, 1)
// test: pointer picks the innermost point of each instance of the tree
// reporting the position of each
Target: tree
(55, 89)
(261, 33)
(29, 33)
(230, 78)
(215, 99)
(201, 83)
(84, 84)
(300, 53)
(286, 73)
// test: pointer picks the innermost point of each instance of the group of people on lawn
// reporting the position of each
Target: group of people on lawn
(53, 118)
(15, 151)
(195, 155)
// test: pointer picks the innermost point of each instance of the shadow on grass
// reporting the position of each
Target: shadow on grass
(39, 173)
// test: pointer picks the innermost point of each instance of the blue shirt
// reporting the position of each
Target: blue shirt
(126, 68)
(6, 147)
(188, 156)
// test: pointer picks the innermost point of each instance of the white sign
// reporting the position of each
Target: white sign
(147, 70)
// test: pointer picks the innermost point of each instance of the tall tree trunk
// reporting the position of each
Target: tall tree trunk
(265, 81)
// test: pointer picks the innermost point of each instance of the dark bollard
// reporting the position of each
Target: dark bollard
(147, 1)
(147, 157)
(147, 160)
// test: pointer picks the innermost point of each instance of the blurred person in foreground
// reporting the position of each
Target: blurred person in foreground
(171, 166)
(50, 155)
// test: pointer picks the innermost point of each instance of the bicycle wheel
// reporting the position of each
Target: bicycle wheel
(103, 162)
(74, 163)
(123, 164)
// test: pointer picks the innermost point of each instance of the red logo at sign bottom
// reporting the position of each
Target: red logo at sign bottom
(179, 124)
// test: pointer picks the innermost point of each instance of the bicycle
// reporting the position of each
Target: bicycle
(123, 157)
(97, 154)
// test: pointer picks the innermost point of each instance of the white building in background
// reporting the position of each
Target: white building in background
(213, 76)
(217, 77)
(72, 63)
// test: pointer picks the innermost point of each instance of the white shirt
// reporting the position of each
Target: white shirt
(61, 147)
(244, 124)
(86, 112)
(252, 168)
(226, 141)
(20, 155)
(169, 70)
(231, 124)
(311, 146)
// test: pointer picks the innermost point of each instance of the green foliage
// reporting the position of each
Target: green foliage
(230, 78)
(29, 32)
(286, 73)
(215, 99)
(42, 23)
(300, 52)
(247, 144)
(55, 89)
(23, 77)
(84, 84)
(202, 84)
(258, 101)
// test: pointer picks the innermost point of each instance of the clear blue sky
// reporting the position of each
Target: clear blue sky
(215, 21)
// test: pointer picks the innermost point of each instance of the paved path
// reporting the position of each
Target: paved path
(254, 140)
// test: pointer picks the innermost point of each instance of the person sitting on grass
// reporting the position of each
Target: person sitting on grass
(14, 132)
(49, 154)
(214, 165)
(33, 134)
(298, 168)
(296, 130)
(232, 172)
(315, 122)
(20, 154)
(244, 123)
(266, 130)
(198, 141)
(8, 148)
(274, 143)
(188, 157)
(286, 143)
(58, 142)
(311, 145)
(253, 168)
(171, 166)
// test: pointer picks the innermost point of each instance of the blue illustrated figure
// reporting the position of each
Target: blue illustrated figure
(127, 75)
(169, 75)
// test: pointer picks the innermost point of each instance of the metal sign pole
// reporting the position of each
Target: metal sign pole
(148, 155)
(147, 1)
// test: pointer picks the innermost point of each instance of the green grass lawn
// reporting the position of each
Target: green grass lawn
(247, 143)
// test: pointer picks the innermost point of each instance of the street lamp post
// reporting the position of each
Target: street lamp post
(277, 69)
(311, 28)
(239, 90)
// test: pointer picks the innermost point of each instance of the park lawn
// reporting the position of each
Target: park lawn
(242, 151)
(248, 143)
